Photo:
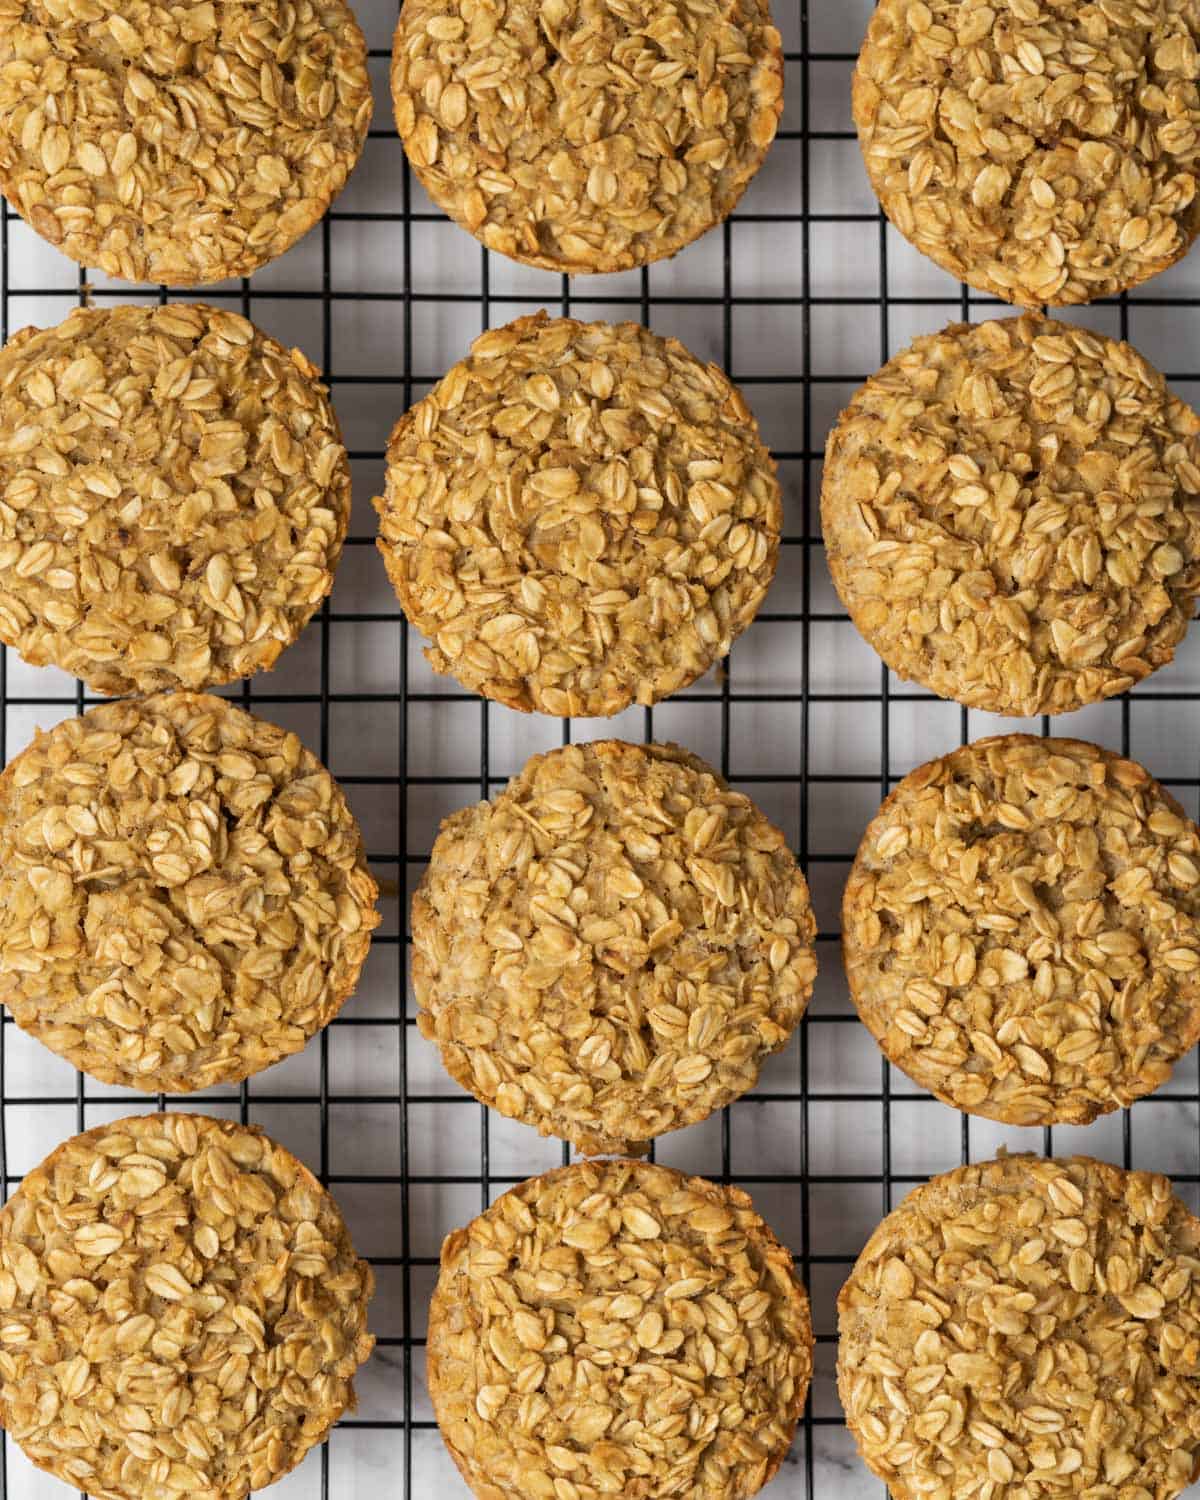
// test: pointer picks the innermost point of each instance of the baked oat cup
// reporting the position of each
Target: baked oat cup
(1021, 930)
(1027, 1326)
(183, 1310)
(1042, 152)
(578, 136)
(176, 496)
(611, 948)
(580, 516)
(1011, 514)
(623, 1328)
(175, 142)
(184, 894)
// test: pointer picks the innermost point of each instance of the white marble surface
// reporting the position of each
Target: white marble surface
(446, 1132)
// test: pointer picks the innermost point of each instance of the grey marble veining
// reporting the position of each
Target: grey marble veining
(813, 1115)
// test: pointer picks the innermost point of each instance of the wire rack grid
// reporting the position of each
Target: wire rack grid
(800, 296)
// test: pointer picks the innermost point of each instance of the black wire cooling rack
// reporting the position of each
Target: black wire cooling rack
(849, 1136)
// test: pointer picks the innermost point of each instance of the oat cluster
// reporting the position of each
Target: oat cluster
(587, 135)
(1043, 150)
(178, 141)
(1022, 930)
(580, 516)
(1012, 517)
(611, 948)
(184, 897)
(181, 1311)
(174, 495)
(1027, 1327)
(617, 1328)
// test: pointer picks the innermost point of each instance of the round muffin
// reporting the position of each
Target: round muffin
(176, 495)
(1012, 518)
(1021, 930)
(184, 896)
(176, 142)
(1027, 1327)
(611, 948)
(183, 1310)
(1042, 153)
(580, 516)
(621, 1328)
(580, 136)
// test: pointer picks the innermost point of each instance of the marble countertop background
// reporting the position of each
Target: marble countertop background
(808, 224)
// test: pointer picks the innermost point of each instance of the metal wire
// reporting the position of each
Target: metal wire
(399, 863)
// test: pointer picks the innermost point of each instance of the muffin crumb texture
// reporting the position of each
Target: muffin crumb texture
(1027, 1326)
(580, 516)
(611, 948)
(183, 1311)
(174, 496)
(184, 896)
(581, 136)
(1011, 515)
(1021, 930)
(178, 142)
(1042, 150)
(606, 1304)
